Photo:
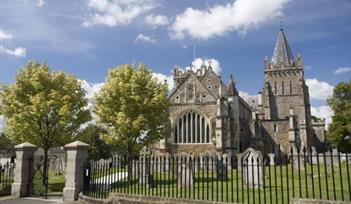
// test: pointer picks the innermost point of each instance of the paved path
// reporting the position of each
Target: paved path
(33, 200)
(110, 179)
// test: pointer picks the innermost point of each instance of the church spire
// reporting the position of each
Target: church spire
(231, 89)
(282, 53)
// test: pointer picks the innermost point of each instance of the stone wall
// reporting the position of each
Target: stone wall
(280, 136)
(316, 201)
(195, 149)
(119, 198)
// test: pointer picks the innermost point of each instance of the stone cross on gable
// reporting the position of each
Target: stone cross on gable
(209, 63)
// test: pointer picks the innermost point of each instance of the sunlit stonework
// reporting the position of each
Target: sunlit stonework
(208, 116)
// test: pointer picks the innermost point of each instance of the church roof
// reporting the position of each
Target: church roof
(231, 90)
(282, 53)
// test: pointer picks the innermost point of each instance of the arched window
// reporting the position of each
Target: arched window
(290, 87)
(275, 87)
(283, 87)
(191, 127)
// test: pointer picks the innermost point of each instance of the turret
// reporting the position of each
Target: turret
(231, 89)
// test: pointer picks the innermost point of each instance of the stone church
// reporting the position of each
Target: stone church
(208, 116)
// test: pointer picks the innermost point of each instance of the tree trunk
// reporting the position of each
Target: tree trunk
(45, 172)
(130, 167)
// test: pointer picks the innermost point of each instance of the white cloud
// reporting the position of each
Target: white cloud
(156, 20)
(117, 12)
(323, 112)
(144, 38)
(161, 79)
(319, 90)
(216, 67)
(5, 36)
(18, 52)
(91, 89)
(239, 15)
(342, 70)
(1, 122)
(244, 94)
(40, 3)
(252, 100)
(196, 64)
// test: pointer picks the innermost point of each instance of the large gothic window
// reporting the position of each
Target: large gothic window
(191, 127)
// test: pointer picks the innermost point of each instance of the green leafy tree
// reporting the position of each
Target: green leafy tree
(43, 107)
(5, 142)
(134, 106)
(339, 131)
(98, 148)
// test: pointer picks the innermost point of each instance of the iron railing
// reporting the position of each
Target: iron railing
(6, 178)
(237, 179)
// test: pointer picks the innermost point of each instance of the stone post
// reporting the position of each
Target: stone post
(24, 171)
(77, 153)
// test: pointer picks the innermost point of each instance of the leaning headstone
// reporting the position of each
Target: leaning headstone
(335, 156)
(252, 168)
(58, 168)
(226, 159)
(167, 162)
(314, 156)
(101, 163)
(185, 177)
(298, 160)
(221, 169)
(145, 177)
(348, 157)
(238, 161)
(271, 159)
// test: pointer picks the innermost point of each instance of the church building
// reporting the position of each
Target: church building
(208, 116)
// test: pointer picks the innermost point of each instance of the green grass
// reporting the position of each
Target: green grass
(5, 185)
(278, 187)
(56, 182)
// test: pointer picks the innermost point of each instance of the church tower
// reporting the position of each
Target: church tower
(285, 90)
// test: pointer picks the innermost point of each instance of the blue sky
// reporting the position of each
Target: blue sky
(87, 37)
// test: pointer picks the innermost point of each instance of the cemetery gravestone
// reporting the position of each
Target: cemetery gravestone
(185, 177)
(314, 156)
(271, 159)
(221, 170)
(252, 168)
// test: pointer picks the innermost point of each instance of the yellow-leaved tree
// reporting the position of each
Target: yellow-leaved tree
(134, 106)
(43, 107)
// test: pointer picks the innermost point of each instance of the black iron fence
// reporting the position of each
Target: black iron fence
(6, 178)
(246, 178)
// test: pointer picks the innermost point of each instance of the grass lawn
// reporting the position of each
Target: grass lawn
(330, 183)
(56, 182)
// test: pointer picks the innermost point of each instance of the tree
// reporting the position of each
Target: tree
(98, 148)
(339, 131)
(134, 106)
(5, 142)
(43, 107)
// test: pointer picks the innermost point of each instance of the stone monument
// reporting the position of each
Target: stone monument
(185, 177)
(252, 168)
